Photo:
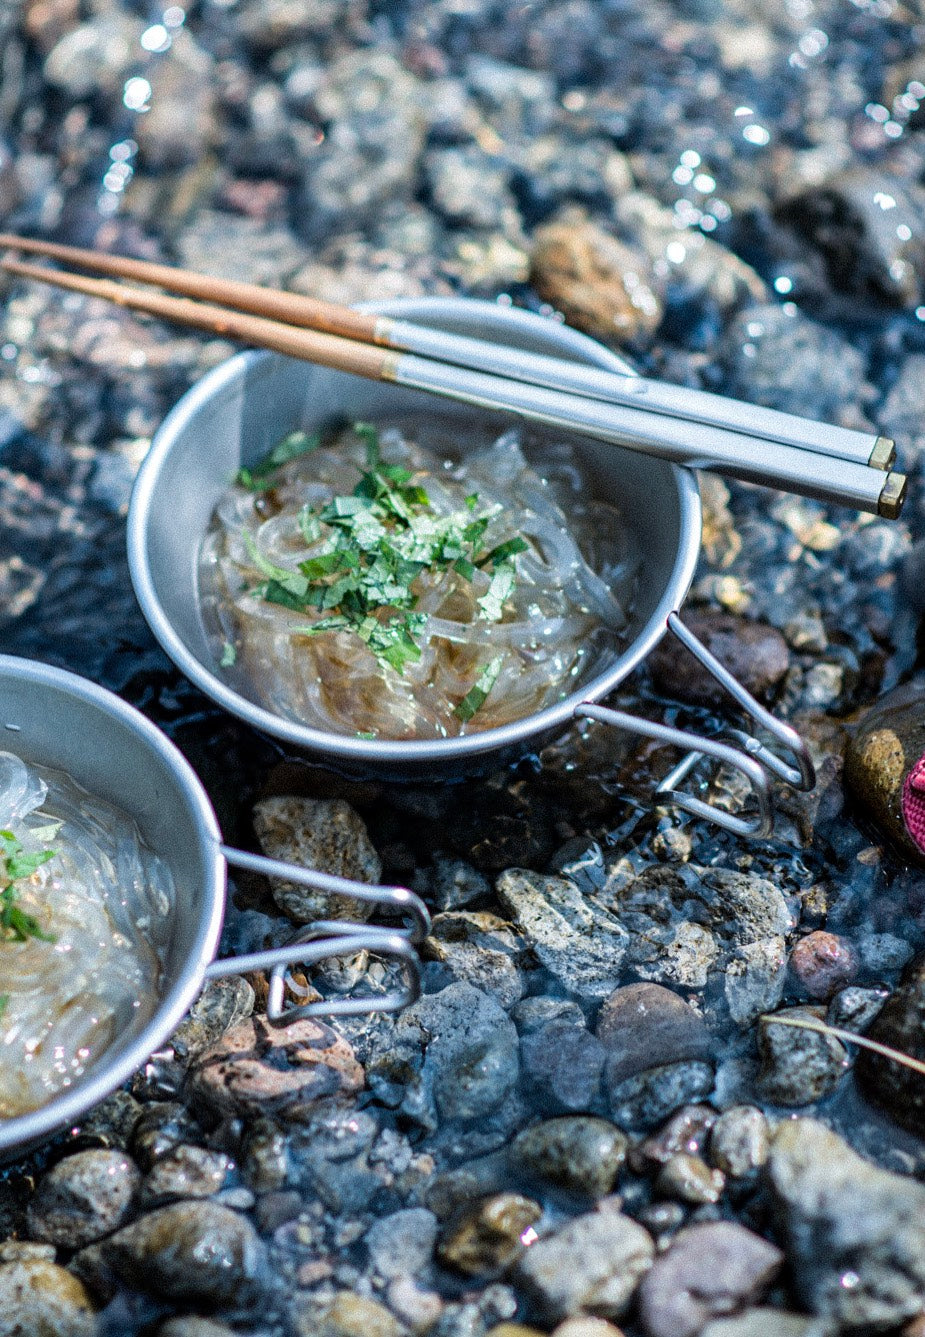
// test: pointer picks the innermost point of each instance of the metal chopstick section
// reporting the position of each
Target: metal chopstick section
(675, 401)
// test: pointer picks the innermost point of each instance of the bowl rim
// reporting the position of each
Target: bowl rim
(185, 984)
(437, 311)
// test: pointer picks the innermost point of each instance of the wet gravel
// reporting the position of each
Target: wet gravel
(590, 1123)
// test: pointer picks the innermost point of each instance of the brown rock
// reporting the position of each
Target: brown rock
(268, 1070)
(351, 1315)
(39, 1299)
(887, 744)
(900, 1024)
(83, 1197)
(487, 1236)
(645, 1026)
(823, 963)
(753, 652)
(600, 285)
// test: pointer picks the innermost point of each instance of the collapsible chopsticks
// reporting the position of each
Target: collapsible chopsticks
(569, 397)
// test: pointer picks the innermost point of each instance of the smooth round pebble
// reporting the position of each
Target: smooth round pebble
(83, 1198)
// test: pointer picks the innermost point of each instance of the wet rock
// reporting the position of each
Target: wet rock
(481, 949)
(83, 1198)
(583, 1155)
(868, 226)
(531, 1014)
(755, 979)
(36, 1297)
(162, 1125)
(261, 1069)
(593, 1263)
(575, 938)
(455, 883)
(645, 1026)
(185, 1172)
(488, 1236)
(471, 1061)
(843, 1218)
(189, 1251)
(886, 747)
(798, 1066)
(646, 1099)
(775, 356)
(740, 1141)
(688, 1178)
(95, 57)
(471, 187)
(403, 1242)
(883, 953)
(707, 1271)
(764, 1323)
(562, 1065)
(823, 963)
(599, 284)
(685, 1133)
(854, 1009)
(753, 652)
(265, 1162)
(221, 1005)
(109, 1124)
(326, 834)
(347, 1315)
(899, 1024)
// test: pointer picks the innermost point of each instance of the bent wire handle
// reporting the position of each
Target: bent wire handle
(800, 776)
(399, 899)
(316, 942)
(699, 747)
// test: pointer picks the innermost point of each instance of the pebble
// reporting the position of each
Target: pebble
(798, 1066)
(882, 751)
(706, 1271)
(583, 1155)
(326, 834)
(753, 652)
(455, 884)
(347, 1315)
(765, 1323)
(823, 963)
(82, 1198)
(488, 1236)
(899, 1024)
(855, 1008)
(599, 284)
(192, 1325)
(280, 1070)
(480, 948)
(221, 1005)
(688, 1178)
(531, 1014)
(184, 1172)
(740, 1141)
(562, 1065)
(578, 942)
(686, 1133)
(162, 1125)
(593, 1263)
(645, 1100)
(584, 1325)
(402, 1243)
(39, 1299)
(95, 57)
(645, 1026)
(854, 1234)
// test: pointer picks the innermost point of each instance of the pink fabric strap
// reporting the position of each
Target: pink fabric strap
(914, 803)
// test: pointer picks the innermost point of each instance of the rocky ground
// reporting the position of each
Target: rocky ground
(593, 1120)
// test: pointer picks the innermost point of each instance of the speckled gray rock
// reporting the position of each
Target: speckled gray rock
(480, 948)
(472, 1060)
(580, 1154)
(189, 1251)
(326, 834)
(740, 1141)
(644, 1100)
(192, 1325)
(39, 1299)
(402, 1243)
(562, 1065)
(531, 1014)
(798, 1066)
(842, 1217)
(487, 1236)
(185, 1172)
(575, 938)
(593, 1263)
(221, 1005)
(707, 1271)
(83, 1198)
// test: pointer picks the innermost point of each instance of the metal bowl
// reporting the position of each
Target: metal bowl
(235, 415)
(56, 719)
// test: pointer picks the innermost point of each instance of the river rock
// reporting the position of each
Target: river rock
(593, 1263)
(740, 1141)
(95, 57)
(645, 1100)
(481, 949)
(798, 1065)
(686, 1132)
(823, 963)
(180, 125)
(274, 1070)
(583, 1155)
(39, 1299)
(598, 283)
(402, 1243)
(843, 1219)
(708, 1270)
(193, 1325)
(584, 1325)
(900, 1024)
(487, 1237)
(753, 652)
(645, 1026)
(562, 1065)
(687, 1178)
(573, 935)
(765, 1323)
(185, 1172)
(326, 834)
(880, 767)
(189, 1251)
(347, 1315)
(222, 1004)
(82, 1198)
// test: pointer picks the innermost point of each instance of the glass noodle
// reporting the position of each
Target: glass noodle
(495, 638)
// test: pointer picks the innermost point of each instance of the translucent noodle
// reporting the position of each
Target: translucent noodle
(563, 620)
(103, 898)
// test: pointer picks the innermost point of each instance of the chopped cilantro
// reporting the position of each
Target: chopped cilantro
(229, 655)
(4, 1002)
(15, 924)
(257, 478)
(477, 694)
(492, 601)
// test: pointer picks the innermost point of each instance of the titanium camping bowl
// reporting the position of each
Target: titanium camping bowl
(53, 718)
(241, 409)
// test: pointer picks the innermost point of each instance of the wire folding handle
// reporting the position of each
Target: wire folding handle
(328, 938)
(754, 759)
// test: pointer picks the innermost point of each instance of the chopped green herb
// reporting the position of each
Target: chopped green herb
(4, 1002)
(477, 694)
(367, 734)
(492, 601)
(504, 550)
(257, 478)
(15, 924)
(229, 655)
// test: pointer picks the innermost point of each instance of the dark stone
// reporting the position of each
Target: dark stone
(562, 1065)
(900, 1024)
(888, 742)
(644, 1026)
(753, 652)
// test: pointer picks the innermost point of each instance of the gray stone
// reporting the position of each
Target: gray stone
(575, 938)
(192, 1325)
(854, 1234)
(765, 1323)
(798, 1066)
(221, 1005)
(707, 1271)
(326, 834)
(471, 1062)
(481, 949)
(899, 1025)
(229, 246)
(184, 1172)
(644, 1026)
(189, 1251)
(583, 1155)
(854, 1008)
(593, 1263)
(645, 1100)
(95, 57)
(456, 883)
(83, 1198)
(755, 979)
(38, 1299)
(471, 187)
(402, 1243)
(562, 1065)
(740, 1141)
(531, 1014)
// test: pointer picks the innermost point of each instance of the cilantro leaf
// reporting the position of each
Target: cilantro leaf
(476, 696)
(256, 478)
